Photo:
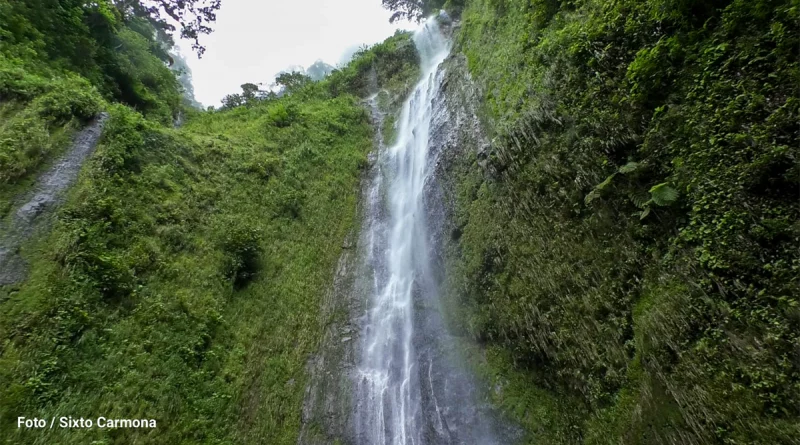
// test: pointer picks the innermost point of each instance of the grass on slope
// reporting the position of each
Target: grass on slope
(37, 118)
(182, 280)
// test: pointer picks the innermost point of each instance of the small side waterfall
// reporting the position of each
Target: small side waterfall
(408, 390)
(42, 200)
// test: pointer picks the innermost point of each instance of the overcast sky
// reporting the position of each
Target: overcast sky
(255, 39)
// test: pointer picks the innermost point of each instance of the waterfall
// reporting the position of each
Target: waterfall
(389, 394)
(407, 391)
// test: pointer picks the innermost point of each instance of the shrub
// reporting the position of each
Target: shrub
(281, 115)
(16, 82)
(45, 105)
(68, 98)
(241, 245)
(24, 143)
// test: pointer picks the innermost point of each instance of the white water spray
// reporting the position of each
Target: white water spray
(390, 400)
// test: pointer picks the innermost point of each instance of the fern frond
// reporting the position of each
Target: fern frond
(662, 194)
(639, 198)
(629, 167)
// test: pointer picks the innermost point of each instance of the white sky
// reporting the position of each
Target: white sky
(253, 40)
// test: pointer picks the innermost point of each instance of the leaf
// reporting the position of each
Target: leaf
(629, 167)
(644, 213)
(640, 198)
(594, 194)
(662, 194)
(605, 183)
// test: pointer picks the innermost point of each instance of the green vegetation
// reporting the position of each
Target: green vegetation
(121, 54)
(392, 65)
(625, 265)
(632, 249)
(60, 64)
(181, 283)
(37, 124)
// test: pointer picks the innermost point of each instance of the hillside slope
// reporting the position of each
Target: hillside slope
(182, 279)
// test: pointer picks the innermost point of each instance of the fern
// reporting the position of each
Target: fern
(640, 198)
(594, 194)
(629, 167)
(663, 195)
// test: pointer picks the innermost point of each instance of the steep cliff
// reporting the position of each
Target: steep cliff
(625, 249)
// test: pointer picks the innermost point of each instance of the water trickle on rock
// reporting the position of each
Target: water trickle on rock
(46, 196)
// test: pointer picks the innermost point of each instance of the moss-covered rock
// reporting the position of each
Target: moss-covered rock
(631, 240)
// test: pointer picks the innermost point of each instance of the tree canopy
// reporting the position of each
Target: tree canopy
(122, 47)
(413, 10)
(193, 16)
(291, 81)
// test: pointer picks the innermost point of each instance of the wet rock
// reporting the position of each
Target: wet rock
(35, 207)
(46, 195)
(63, 173)
(12, 267)
(452, 395)
(328, 405)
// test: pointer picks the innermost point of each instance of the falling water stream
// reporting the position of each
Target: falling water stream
(407, 389)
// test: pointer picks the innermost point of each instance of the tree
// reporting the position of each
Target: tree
(291, 81)
(414, 10)
(232, 101)
(408, 9)
(251, 94)
(193, 16)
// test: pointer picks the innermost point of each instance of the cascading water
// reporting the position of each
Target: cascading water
(390, 409)
(407, 390)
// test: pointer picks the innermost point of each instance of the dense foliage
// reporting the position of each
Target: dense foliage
(63, 61)
(193, 16)
(416, 10)
(37, 122)
(392, 65)
(630, 256)
(120, 52)
(182, 280)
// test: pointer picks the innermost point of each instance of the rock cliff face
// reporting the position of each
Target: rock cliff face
(458, 138)
(328, 411)
(452, 406)
(451, 389)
